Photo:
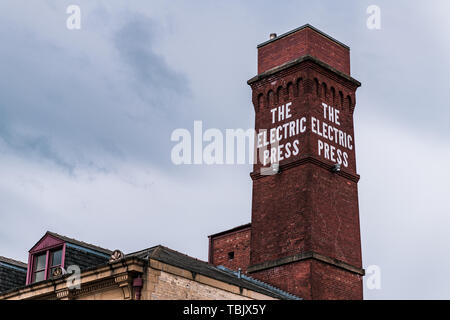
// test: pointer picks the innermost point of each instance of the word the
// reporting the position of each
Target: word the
(282, 111)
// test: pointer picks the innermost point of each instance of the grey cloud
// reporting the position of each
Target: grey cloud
(134, 42)
(72, 104)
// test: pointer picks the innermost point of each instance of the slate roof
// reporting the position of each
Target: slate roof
(13, 262)
(80, 243)
(178, 259)
(13, 273)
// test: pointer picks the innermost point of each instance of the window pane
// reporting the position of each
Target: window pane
(40, 262)
(39, 276)
(56, 258)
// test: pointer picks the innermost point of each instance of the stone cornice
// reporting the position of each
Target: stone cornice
(90, 280)
(295, 62)
(309, 159)
(305, 256)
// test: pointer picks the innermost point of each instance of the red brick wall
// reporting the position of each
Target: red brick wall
(305, 209)
(294, 278)
(280, 216)
(304, 42)
(314, 280)
(238, 242)
(331, 283)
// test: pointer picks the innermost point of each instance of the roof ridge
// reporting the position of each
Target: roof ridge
(307, 25)
(80, 243)
(13, 262)
(155, 250)
(134, 253)
(184, 254)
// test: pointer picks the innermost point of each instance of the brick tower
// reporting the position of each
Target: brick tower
(304, 236)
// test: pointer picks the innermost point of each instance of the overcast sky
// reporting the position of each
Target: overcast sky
(86, 117)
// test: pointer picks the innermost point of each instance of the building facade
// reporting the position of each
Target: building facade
(62, 268)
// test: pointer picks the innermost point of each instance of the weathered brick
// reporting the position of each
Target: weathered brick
(235, 241)
(305, 41)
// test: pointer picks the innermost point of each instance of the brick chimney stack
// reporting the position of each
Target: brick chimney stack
(304, 235)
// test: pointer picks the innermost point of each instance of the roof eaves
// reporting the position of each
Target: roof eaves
(291, 63)
(14, 263)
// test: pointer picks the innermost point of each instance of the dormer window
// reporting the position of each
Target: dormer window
(53, 251)
(44, 264)
(39, 267)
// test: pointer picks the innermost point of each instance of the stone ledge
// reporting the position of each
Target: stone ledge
(305, 256)
(294, 62)
(309, 159)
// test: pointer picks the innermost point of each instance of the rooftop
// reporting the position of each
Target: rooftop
(13, 262)
(181, 260)
(301, 28)
(79, 243)
(174, 258)
(238, 228)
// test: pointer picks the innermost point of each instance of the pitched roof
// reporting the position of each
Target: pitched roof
(178, 259)
(79, 243)
(301, 28)
(238, 228)
(13, 262)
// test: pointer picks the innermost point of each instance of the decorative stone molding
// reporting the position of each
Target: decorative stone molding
(116, 256)
(95, 287)
(64, 294)
(102, 279)
(305, 256)
(58, 272)
(122, 278)
(125, 283)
